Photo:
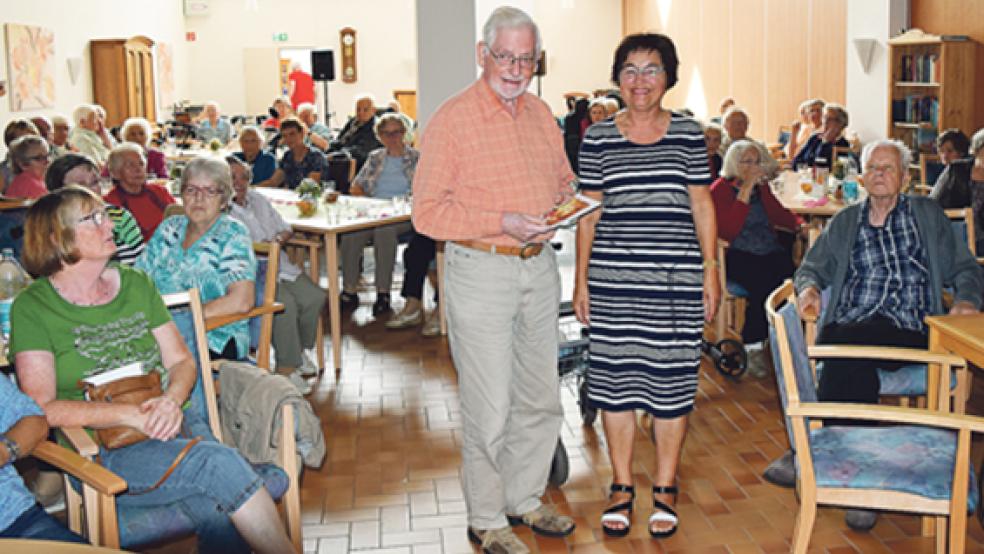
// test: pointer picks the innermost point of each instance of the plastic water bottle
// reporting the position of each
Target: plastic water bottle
(850, 187)
(13, 278)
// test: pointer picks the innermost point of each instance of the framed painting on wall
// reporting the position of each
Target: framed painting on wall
(165, 74)
(30, 66)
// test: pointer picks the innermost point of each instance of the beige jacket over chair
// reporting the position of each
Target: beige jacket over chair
(250, 412)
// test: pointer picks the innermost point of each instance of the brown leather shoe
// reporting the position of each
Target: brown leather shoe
(497, 541)
(545, 521)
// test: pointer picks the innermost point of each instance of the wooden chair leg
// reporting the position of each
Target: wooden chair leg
(804, 527)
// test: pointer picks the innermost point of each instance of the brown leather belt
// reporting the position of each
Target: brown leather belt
(524, 252)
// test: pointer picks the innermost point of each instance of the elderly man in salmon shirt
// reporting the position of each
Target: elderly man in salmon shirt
(492, 163)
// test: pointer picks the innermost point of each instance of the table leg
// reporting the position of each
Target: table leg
(932, 403)
(334, 302)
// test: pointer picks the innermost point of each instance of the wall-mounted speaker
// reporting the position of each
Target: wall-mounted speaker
(323, 65)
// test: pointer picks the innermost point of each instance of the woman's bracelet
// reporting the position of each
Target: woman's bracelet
(709, 264)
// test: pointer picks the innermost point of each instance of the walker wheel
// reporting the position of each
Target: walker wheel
(733, 360)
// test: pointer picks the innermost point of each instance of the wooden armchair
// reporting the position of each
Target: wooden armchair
(266, 304)
(138, 526)
(919, 464)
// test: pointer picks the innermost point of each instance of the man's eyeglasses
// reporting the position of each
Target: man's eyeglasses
(97, 217)
(507, 60)
(650, 73)
(200, 192)
(885, 168)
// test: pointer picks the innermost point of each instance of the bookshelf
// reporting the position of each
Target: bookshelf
(931, 88)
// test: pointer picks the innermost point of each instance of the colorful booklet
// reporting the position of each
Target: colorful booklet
(569, 212)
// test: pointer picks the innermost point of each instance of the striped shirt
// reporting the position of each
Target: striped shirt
(478, 162)
(888, 274)
(126, 235)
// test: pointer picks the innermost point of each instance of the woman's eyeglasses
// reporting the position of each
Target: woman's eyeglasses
(632, 73)
(97, 217)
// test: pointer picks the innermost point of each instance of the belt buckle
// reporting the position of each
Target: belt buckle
(527, 251)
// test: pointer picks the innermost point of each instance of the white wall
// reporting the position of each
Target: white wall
(385, 47)
(867, 92)
(76, 23)
(446, 64)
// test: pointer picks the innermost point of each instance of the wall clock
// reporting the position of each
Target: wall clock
(347, 38)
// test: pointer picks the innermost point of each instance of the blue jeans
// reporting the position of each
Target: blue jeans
(37, 524)
(212, 482)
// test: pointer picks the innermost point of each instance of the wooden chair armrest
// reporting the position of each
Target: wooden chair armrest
(93, 474)
(891, 414)
(306, 243)
(893, 353)
(80, 441)
(215, 322)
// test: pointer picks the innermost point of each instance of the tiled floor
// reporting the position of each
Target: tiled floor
(391, 482)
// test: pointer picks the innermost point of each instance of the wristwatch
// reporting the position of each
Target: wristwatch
(11, 448)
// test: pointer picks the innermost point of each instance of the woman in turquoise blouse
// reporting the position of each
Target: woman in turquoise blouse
(208, 250)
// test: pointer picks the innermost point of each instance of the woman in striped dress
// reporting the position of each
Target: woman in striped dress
(645, 280)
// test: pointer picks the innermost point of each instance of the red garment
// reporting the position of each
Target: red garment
(26, 185)
(271, 123)
(303, 88)
(147, 206)
(731, 212)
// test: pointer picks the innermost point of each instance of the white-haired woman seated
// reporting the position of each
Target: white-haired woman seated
(137, 130)
(212, 126)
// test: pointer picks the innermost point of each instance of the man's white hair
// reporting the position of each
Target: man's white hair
(508, 17)
(905, 155)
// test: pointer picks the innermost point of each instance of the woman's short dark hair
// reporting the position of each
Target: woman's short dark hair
(648, 42)
(956, 138)
(54, 178)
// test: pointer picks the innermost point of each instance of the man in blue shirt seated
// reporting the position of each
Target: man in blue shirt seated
(212, 126)
(886, 262)
(22, 427)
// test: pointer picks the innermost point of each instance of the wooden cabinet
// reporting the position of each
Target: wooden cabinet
(931, 88)
(123, 78)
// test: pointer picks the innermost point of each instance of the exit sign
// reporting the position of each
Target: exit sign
(279, 37)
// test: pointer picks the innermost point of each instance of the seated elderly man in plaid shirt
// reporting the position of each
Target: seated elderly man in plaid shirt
(886, 262)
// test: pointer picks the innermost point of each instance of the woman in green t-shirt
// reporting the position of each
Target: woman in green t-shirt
(84, 316)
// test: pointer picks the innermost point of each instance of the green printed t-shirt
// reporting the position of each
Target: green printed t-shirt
(88, 340)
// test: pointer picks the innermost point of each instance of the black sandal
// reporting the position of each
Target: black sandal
(663, 513)
(611, 515)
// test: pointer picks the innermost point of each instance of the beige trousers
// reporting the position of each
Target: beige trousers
(502, 322)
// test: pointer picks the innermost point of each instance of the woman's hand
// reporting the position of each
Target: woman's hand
(162, 418)
(581, 304)
(712, 293)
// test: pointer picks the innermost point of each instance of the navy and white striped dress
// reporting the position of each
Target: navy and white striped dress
(645, 277)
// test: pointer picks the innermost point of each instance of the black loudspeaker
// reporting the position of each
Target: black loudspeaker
(323, 65)
(541, 64)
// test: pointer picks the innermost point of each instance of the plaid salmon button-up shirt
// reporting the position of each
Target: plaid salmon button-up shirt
(478, 162)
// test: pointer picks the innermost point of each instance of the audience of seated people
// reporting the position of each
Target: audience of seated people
(961, 185)
(213, 126)
(281, 109)
(951, 145)
(29, 160)
(713, 135)
(300, 161)
(810, 120)
(84, 316)
(262, 164)
(146, 201)
(357, 138)
(79, 169)
(411, 125)
(735, 124)
(15, 129)
(388, 173)
(819, 148)
(89, 135)
(294, 329)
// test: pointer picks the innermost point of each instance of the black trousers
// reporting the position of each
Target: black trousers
(856, 380)
(760, 275)
(417, 256)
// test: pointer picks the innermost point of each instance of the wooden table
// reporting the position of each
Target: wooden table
(961, 335)
(794, 200)
(329, 222)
